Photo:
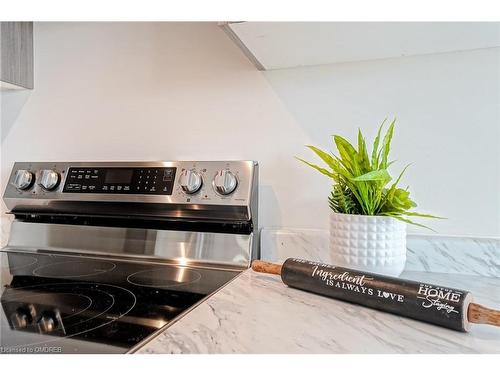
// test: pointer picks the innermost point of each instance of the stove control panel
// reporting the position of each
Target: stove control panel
(231, 183)
(157, 180)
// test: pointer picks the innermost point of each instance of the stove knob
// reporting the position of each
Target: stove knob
(225, 182)
(23, 179)
(47, 323)
(49, 179)
(20, 320)
(190, 181)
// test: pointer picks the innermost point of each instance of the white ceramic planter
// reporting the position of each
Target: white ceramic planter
(369, 243)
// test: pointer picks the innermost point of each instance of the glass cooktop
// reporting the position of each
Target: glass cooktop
(73, 304)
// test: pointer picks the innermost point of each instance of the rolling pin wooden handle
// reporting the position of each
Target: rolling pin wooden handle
(266, 267)
(483, 315)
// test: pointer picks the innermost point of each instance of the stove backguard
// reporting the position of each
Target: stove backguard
(184, 247)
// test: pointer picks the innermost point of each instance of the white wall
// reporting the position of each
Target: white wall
(185, 91)
(278, 45)
(448, 111)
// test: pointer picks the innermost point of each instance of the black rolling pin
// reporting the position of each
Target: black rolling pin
(443, 306)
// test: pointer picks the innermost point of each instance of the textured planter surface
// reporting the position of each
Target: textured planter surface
(369, 243)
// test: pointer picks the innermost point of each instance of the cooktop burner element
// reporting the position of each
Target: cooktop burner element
(125, 301)
(164, 277)
(103, 255)
(72, 269)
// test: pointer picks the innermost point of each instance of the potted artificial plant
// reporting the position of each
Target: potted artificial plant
(369, 212)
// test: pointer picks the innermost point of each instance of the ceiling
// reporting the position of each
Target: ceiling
(278, 45)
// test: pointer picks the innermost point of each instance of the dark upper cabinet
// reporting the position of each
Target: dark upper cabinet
(16, 55)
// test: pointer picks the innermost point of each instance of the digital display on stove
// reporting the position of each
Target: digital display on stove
(118, 176)
(150, 180)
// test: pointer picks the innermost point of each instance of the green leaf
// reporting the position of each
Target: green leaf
(386, 144)
(325, 156)
(390, 163)
(346, 167)
(330, 161)
(379, 175)
(392, 190)
(342, 200)
(319, 169)
(400, 175)
(423, 215)
(347, 153)
(363, 152)
(375, 146)
(408, 221)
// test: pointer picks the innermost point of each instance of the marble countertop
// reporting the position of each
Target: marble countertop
(256, 313)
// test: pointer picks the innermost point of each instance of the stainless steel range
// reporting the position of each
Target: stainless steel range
(102, 256)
